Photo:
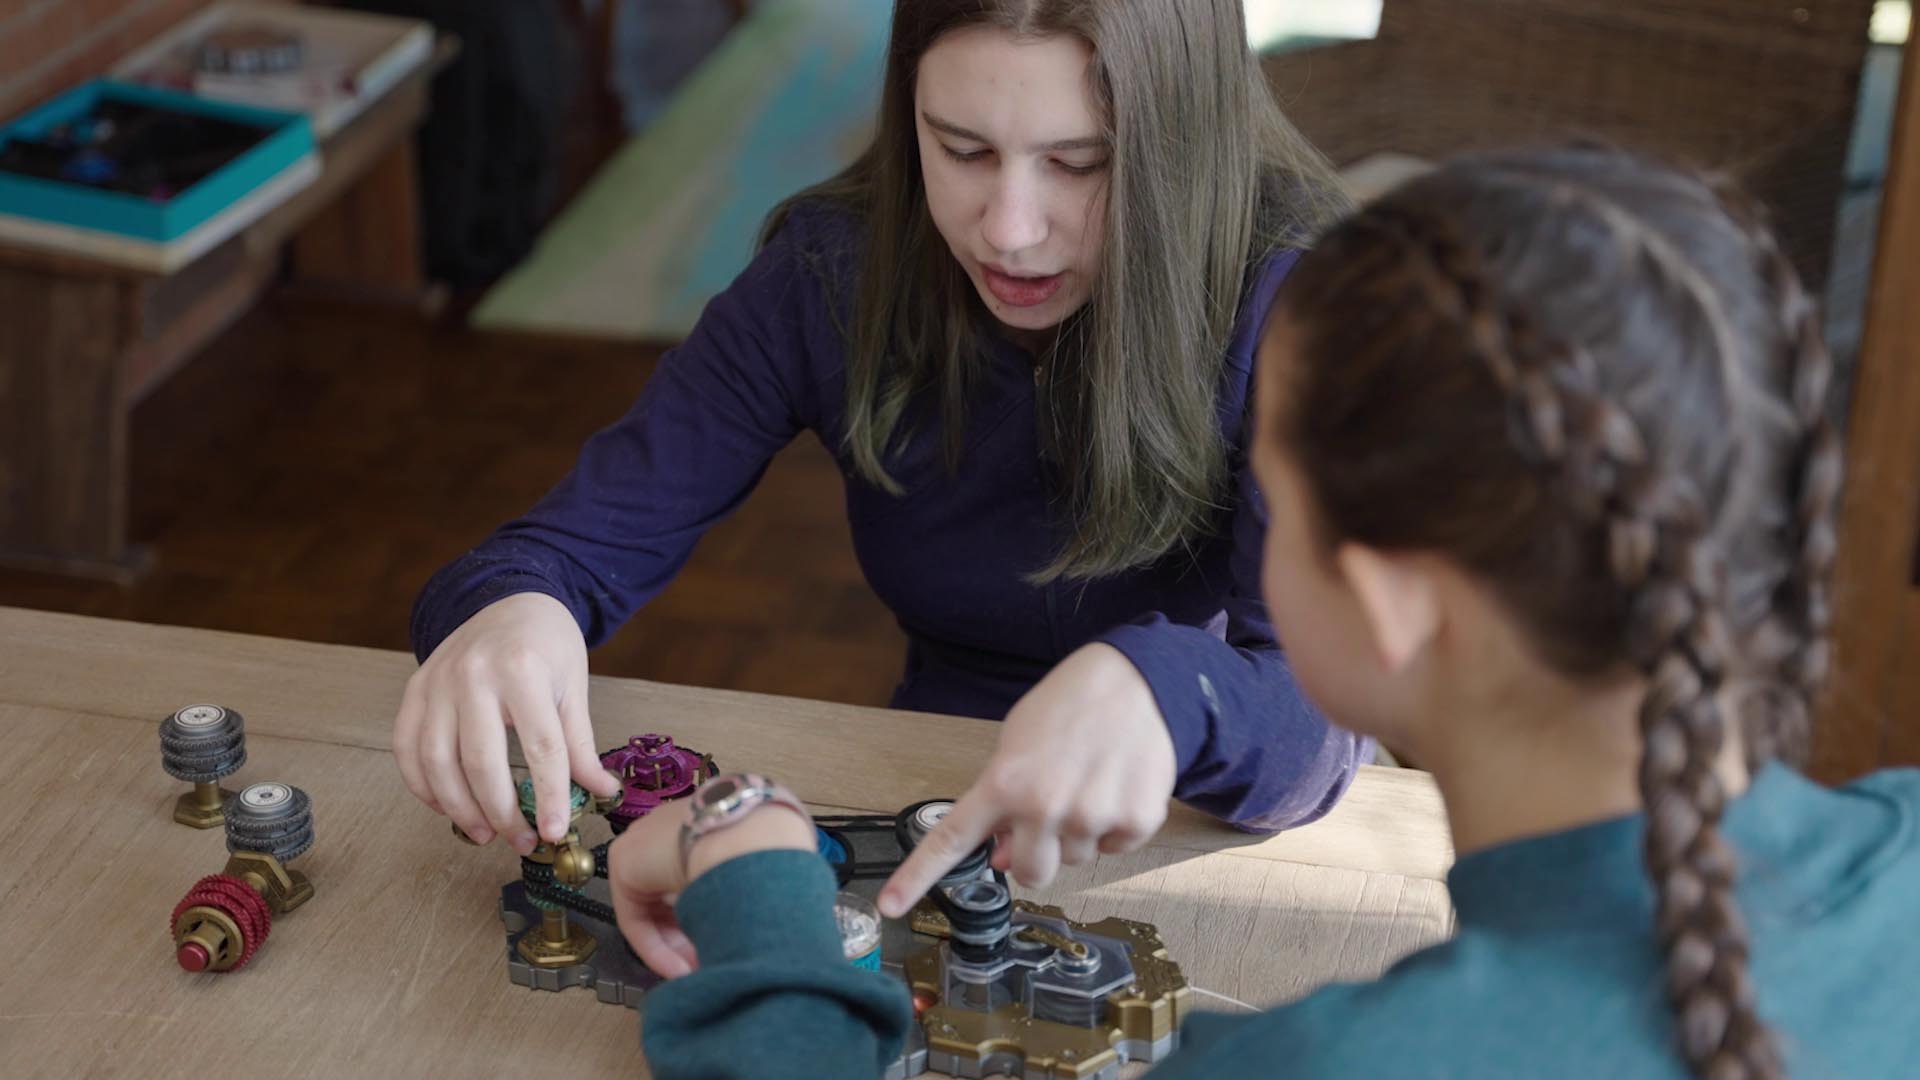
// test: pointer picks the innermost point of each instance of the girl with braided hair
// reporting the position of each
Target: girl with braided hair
(1542, 442)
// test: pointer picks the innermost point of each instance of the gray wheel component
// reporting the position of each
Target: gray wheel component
(202, 743)
(926, 816)
(271, 818)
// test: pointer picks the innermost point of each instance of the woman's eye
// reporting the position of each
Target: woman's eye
(1082, 170)
(963, 157)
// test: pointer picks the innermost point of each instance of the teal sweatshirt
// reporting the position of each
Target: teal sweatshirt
(1554, 972)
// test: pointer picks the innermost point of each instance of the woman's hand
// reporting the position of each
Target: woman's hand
(1085, 764)
(519, 663)
(644, 873)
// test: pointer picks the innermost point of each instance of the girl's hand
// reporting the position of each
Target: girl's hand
(644, 874)
(518, 663)
(1084, 765)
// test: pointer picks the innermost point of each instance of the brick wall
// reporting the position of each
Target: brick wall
(49, 45)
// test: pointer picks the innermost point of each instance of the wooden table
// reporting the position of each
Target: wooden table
(396, 966)
(82, 340)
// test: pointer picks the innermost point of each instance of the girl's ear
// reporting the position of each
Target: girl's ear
(1399, 602)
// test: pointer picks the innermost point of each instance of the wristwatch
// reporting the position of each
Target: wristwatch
(726, 800)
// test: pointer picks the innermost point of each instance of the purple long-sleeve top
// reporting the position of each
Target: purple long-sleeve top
(950, 556)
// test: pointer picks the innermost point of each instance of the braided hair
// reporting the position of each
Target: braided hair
(1629, 384)
(1793, 639)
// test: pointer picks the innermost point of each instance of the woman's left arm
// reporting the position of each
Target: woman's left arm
(1248, 746)
(1152, 709)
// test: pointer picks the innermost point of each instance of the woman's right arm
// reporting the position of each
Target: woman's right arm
(604, 541)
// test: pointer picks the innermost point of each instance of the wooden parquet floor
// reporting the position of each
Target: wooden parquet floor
(307, 473)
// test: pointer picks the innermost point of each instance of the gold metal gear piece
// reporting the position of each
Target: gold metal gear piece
(557, 942)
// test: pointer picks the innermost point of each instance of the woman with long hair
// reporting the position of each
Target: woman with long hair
(1021, 323)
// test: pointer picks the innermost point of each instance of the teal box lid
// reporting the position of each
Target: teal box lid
(287, 142)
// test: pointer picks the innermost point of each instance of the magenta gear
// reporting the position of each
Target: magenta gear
(238, 901)
(654, 771)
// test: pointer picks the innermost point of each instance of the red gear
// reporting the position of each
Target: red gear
(238, 901)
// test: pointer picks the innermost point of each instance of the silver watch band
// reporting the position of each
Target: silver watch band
(727, 800)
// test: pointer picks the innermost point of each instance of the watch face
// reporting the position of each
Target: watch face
(717, 792)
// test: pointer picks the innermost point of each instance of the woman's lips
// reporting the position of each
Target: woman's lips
(1022, 291)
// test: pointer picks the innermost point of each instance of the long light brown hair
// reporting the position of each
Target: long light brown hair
(1597, 384)
(1206, 178)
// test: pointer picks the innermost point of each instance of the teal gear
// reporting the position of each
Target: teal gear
(577, 799)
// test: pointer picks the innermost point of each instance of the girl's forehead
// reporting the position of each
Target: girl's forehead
(1029, 88)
